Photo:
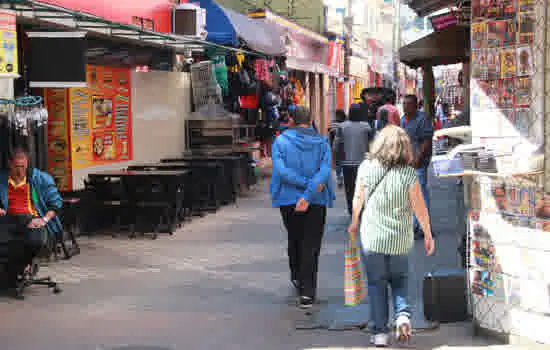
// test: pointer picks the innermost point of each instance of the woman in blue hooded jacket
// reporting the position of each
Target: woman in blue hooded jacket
(301, 186)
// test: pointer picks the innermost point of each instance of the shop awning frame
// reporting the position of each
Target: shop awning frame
(56, 15)
(426, 7)
(447, 46)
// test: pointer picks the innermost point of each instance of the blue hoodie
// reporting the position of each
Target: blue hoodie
(301, 162)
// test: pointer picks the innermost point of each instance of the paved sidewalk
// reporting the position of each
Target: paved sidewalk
(221, 282)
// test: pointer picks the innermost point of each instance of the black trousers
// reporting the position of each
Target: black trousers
(350, 176)
(305, 236)
(23, 248)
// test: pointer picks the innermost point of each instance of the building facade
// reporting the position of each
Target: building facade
(307, 14)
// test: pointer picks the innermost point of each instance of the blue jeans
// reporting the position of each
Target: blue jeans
(383, 271)
(422, 174)
(339, 171)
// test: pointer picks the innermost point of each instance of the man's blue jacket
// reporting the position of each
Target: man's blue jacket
(45, 196)
(301, 162)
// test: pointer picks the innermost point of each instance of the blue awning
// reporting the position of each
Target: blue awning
(228, 27)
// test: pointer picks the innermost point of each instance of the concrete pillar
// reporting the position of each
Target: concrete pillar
(428, 90)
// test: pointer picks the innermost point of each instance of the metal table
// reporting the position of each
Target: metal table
(144, 194)
(208, 190)
(233, 170)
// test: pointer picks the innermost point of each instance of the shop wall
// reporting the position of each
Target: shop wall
(311, 16)
(160, 102)
(157, 10)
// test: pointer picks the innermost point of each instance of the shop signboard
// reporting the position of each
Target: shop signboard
(444, 20)
(59, 151)
(336, 55)
(101, 128)
(125, 11)
(8, 45)
(301, 44)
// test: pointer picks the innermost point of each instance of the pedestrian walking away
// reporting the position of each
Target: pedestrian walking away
(352, 142)
(340, 117)
(370, 102)
(387, 113)
(387, 193)
(420, 130)
(301, 186)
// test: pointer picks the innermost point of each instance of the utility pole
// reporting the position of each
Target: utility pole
(348, 25)
(396, 41)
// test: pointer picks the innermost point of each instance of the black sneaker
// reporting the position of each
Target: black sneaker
(295, 284)
(305, 303)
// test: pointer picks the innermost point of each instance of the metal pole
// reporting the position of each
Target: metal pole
(396, 40)
(348, 23)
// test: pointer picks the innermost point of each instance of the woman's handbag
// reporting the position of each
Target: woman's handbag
(354, 277)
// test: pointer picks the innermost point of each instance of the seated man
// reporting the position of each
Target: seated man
(29, 193)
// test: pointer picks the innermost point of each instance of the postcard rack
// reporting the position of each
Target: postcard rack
(509, 214)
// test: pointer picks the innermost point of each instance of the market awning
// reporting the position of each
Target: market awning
(228, 27)
(312, 67)
(448, 46)
(426, 7)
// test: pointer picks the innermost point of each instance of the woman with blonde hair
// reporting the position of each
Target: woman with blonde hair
(388, 189)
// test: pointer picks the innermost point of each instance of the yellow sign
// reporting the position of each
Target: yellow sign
(80, 127)
(8, 44)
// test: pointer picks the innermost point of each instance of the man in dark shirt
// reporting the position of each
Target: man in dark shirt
(368, 107)
(420, 130)
(339, 118)
(352, 141)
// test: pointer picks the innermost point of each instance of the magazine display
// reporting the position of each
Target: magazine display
(508, 65)
(523, 92)
(503, 62)
(503, 267)
(509, 218)
(525, 61)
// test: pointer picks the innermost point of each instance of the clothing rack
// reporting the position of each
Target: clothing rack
(23, 122)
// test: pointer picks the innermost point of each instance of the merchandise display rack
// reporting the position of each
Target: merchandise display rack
(508, 213)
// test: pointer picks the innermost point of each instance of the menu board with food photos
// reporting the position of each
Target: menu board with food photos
(104, 107)
(503, 66)
(59, 151)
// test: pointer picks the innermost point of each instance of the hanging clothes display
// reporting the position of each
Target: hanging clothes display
(220, 71)
(23, 122)
(262, 69)
(234, 62)
(299, 92)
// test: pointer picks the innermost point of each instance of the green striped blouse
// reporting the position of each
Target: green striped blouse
(387, 220)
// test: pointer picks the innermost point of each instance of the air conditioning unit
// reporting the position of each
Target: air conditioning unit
(190, 20)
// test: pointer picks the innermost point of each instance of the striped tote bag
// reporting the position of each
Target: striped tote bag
(354, 276)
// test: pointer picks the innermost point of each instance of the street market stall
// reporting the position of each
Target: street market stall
(505, 173)
(509, 211)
